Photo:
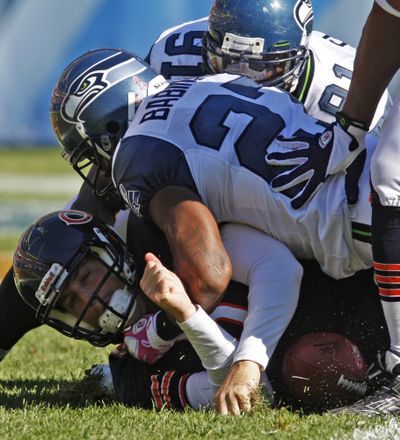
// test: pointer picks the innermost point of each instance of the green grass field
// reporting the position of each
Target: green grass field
(42, 395)
(33, 182)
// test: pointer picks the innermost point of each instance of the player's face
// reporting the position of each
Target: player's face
(78, 293)
(259, 71)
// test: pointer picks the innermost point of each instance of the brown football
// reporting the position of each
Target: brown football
(324, 369)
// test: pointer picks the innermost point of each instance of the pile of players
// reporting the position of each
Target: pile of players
(228, 184)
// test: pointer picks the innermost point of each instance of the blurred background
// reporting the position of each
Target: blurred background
(38, 38)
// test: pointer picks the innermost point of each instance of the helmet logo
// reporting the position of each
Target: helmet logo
(94, 81)
(74, 217)
(303, 13)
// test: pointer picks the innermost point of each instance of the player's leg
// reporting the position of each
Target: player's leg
(386, 227)
(385, 230)
(16, 317)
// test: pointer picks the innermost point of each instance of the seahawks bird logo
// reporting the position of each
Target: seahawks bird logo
(94, 81)
(303, 13)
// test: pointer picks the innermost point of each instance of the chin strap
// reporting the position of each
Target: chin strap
(111, 322)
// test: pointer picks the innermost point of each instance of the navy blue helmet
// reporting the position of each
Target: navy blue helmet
(92, 103)
(266, 40)
(49, 255)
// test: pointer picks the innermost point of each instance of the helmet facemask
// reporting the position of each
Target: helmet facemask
(278, 67)
(90, 156)
(266, 41)
(117, 310)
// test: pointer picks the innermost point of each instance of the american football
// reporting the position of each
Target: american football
(324, 369)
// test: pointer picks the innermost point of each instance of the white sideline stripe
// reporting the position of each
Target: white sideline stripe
(41, 184)
(388, 431)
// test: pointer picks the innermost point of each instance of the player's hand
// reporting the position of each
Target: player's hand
(234, 395)
(166, 290)
(312, 158)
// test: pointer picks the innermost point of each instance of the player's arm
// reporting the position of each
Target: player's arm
(377, 60)
(214, 346)
(136, 384)
(16, 317)
(274, 277)
(199, 256)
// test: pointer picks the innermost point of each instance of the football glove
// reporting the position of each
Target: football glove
(102, 378)
(143, 342)
(314, 157)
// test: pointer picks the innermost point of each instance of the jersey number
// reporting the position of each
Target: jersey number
(188, 47)
(215, 118)
(332, 99)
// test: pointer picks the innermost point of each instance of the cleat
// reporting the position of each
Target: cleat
(385, 400)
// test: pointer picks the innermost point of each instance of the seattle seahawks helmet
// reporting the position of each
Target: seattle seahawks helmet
(92, 103)
(266, 40)
(48, 256)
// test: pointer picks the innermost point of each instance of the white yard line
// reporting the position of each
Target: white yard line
(64, 184)
(389, 430)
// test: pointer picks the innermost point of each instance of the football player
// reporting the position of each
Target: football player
(381, 30)
(78, 276)
(206, 139)
(271, 42)
(312, 66)
(75, 272)
(194, 156)
(294, 69)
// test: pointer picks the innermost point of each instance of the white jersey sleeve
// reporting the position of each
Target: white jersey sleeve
(176, 54)
(328, 79)
(213, 345)
(274, 278)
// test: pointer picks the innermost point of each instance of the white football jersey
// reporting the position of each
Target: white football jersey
(322, 88)
(211, 135)
(330, 74)
(176, 53)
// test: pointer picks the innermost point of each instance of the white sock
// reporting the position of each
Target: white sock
(391, 311)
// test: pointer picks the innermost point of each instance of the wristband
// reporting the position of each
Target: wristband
(346, 122)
